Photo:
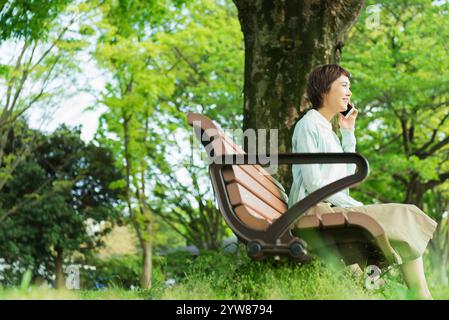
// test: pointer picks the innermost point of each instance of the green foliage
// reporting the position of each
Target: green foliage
(400, 79)
(173, 264)
(120, 271)
(28, 19)
(38, 66)
(50, 198)
(157, 75)
(123, 272)
(400, 87)
(207, 55)
(165, 237)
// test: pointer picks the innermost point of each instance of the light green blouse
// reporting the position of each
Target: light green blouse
(313, 133)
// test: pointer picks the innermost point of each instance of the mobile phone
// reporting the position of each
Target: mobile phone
(348, 111)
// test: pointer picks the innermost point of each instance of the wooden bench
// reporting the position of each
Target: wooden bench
(254, 205)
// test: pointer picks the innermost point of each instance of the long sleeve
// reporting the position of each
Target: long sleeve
(306, 140)
(348, 144)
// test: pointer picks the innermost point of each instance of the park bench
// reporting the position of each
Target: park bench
(254, 205)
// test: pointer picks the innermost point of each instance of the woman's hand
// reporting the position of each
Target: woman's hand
(348, 123)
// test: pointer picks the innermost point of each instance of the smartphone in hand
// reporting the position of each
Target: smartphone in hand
(348, 111)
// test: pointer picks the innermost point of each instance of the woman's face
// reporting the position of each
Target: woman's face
(337, 99)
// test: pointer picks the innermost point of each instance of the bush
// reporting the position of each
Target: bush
(118, 271)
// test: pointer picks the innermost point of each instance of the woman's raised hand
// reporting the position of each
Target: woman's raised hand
(348, 123)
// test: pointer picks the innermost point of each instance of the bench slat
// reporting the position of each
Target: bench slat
(239, 195)
(221, 147)
(237, 175)
(250, 218)
(264, 172)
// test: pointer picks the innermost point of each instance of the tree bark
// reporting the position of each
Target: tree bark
(284, 41)
(147, 263)
(59, 271)
(415, 191)
(145, 225)
(147, 221)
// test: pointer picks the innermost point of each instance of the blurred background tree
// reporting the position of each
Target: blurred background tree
(58, 189)
(29, 19)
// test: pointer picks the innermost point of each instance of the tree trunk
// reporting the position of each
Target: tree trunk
(284, 41)
(59, 271)
(147, 264)
(415, 192)
(143, 226)
(147, 221)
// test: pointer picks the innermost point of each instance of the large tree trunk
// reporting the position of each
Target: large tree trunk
(59, 272)
(284, 41)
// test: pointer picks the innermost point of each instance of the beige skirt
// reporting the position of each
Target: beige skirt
(407, 227)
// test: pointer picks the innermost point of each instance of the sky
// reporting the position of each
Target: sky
(70, 110)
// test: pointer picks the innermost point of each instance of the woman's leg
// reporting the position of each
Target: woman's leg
(413, 272)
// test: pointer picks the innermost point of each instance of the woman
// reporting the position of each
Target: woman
(407, 227)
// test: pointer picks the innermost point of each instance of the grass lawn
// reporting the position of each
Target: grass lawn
(227, 276)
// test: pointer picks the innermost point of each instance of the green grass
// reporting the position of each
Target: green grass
(225, 276)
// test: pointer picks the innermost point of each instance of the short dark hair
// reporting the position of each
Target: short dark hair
(320, 81)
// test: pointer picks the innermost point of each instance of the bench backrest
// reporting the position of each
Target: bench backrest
(257, 198)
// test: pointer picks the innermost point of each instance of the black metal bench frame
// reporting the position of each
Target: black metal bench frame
(278, 238)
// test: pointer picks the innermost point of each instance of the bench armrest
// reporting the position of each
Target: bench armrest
(292, 214)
